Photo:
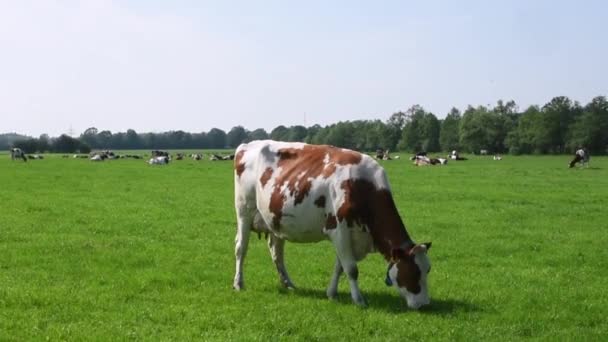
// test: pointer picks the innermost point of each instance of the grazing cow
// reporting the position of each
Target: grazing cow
(214, 157)
(17, 153)
(309, 193)
(580, 156)
(497, 157)
(160, 160)
(196, 156)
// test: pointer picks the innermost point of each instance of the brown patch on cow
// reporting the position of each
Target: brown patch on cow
(365, 205)
(266, 176)
(408, 274)
(238, 165)
(299, 166)
(331, 222)
(320, 202)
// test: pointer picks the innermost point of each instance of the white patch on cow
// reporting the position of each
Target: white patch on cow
(326, 159)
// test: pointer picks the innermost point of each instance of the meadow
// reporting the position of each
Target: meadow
(123, 250)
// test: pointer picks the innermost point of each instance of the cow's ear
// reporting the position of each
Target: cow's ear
(396, 254)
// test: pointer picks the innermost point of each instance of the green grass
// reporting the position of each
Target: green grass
(122, 250)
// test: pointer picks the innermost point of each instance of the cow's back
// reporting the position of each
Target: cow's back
(299, 189)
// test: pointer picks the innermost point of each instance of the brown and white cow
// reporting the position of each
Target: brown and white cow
(309, 193)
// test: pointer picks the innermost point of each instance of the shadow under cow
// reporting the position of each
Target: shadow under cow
(390, 302)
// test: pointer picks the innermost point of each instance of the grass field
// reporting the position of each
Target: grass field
(122, 250)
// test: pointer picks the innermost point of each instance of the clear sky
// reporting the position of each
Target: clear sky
(193, 65)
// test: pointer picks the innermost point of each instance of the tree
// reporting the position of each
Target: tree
(557, 116)
(66, 144)
(44, 143)
(104, 138)
(132, 140)
(412, 136)
(297, 133)
(257, 134)
(479, 129)
(216, 138)
(448, 135)
(89, 136)
(236, 136)
(279, 133)
(430, 128)
(590, 129)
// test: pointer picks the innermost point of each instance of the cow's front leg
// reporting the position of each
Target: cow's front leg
(241, 242)
(277, 247)
(332, 289)
(342, 242)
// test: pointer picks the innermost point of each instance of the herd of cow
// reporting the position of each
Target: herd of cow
(157, 157)
(309, 193)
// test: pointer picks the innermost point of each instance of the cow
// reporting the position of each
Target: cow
(160, 160)
(158, 153)
(580, 156)
(179, 156)
(309, 193)
(98, 157)
(497, 157)
(455, 156)
(17, 153)
(423, 160)
(196, 156)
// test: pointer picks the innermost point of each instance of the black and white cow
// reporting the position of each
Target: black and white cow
(310, 193)
(17, 153)
(580, 156)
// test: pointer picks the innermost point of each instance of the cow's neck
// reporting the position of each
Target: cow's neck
(386, 227)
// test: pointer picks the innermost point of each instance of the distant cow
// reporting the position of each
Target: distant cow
(17, 153)
(455, 156)
(161, 160)
(497, 157)
(309, 193)
(158, 153)
(179, 156)
(196, 156)
(420, 160)
(580, 156)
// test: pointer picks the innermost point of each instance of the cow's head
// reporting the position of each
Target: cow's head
(408, 272)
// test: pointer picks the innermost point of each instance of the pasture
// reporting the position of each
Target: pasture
(122, 250)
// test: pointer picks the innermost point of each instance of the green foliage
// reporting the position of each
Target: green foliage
(449, 134)
(560, 126)
(121, 250)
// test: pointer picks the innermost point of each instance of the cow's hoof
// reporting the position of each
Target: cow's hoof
(288, 285)
(360, 302)
(238, 286)
(332, 294)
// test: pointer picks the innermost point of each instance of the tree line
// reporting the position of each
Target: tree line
(559, 126)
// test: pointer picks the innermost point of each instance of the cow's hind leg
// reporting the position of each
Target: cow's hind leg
(341, 239)
(244, 222)
(332, 289)
(277, 247)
